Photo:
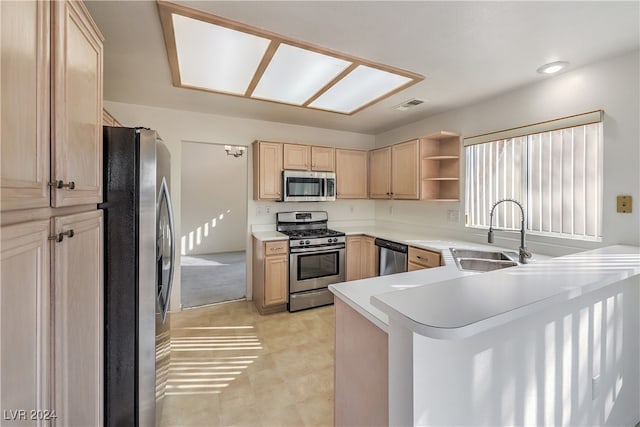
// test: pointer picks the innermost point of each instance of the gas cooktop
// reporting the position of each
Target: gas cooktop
(311, 234)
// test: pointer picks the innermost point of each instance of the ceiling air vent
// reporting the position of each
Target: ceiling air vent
(408, 104)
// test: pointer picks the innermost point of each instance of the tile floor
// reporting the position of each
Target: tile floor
(232, 366)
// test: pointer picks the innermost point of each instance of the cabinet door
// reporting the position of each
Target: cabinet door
(77, 106)
(369, 258)
(275, 279)
(24, 98)
(354, 258)
(78, 319)
(24, 318)
(380, 173)
(323, 159)
(267, 170)
(405, 174)
(351, 174)
(296, 157)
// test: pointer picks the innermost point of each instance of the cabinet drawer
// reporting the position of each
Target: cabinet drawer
(276, 248)
(424, 257)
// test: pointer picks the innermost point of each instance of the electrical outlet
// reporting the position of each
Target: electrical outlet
(390, 210)
(267, 210)
(453, 215)
(623, 204)
(351, 209)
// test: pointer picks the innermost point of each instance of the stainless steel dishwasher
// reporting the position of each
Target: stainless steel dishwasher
(393, 257)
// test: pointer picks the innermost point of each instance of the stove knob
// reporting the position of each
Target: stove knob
(307, 242)
(331, 240)
(301, 242)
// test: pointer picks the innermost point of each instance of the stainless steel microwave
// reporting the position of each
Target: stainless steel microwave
(302, 186)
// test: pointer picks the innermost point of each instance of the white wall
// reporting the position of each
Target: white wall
(612, 86)
(176, 126)
(214, 200)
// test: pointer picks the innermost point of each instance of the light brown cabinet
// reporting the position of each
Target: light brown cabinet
(78, 318)
(25, 346)
(267, 170)
(270, 275)
(440, 169)
(51, 151)
(395, 171)
(380, 173)
(361, 257)
(58, 89)
(109, 120)
(308, 157)
(405, 166)
(296, 157)
(51, 357)
(422, 258)
(351, 174)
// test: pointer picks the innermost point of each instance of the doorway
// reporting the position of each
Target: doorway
(213, 223)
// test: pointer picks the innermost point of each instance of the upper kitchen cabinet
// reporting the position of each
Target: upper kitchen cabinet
(395, 171)
(109, 120)
(76, 106)
(323, 159)
(351, 174)
(405, 166)
(440, 169)
(380, 173)
(38, 84)
(307, 157)
(24, 96)
(267, 170)
(296, 157)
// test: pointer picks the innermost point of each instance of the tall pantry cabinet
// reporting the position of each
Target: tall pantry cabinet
(51, 233)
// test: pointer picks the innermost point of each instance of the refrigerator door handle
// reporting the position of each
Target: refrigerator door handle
(165, 197)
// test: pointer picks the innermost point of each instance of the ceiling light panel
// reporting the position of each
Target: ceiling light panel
(359, 88)
(294, 75)
(214, 57)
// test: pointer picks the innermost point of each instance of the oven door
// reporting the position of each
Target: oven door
(315, 269)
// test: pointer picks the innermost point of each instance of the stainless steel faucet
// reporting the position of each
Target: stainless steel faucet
(523, 253)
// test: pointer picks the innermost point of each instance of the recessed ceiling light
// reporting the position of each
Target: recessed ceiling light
(215, 54)
(553, 67)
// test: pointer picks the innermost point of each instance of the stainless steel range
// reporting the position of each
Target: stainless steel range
(316, 257)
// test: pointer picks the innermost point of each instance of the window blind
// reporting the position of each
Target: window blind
(557, 175)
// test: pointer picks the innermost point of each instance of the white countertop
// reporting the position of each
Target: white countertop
(465, 306)
(266, 236)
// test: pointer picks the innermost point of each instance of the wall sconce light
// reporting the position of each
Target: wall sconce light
(235, 151)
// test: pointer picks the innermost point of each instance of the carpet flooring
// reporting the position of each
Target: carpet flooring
(213, 278)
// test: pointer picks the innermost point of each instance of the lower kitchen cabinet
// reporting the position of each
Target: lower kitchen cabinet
(51, 326)
(422, 258)
(361, 258)
(78, 318)
(25, 333)
(270, 275)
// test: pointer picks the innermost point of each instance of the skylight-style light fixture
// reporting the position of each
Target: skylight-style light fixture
(215, 54)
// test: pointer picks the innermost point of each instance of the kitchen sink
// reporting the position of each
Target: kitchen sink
(475, 260)
(483, 264)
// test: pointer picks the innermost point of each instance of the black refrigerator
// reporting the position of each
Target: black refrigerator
(139, 264)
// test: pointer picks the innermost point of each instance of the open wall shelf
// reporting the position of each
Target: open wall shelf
(440, 168)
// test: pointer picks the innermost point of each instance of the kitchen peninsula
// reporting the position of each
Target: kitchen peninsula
(516, 346)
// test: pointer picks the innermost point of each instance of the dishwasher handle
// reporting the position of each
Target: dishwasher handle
(396, 247)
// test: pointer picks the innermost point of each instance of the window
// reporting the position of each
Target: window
(553, 168)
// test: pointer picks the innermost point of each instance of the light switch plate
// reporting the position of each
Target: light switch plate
(624, 204)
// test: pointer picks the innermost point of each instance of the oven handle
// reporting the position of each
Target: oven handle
(317, 249)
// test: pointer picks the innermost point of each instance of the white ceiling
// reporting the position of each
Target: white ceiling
(468, 51)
